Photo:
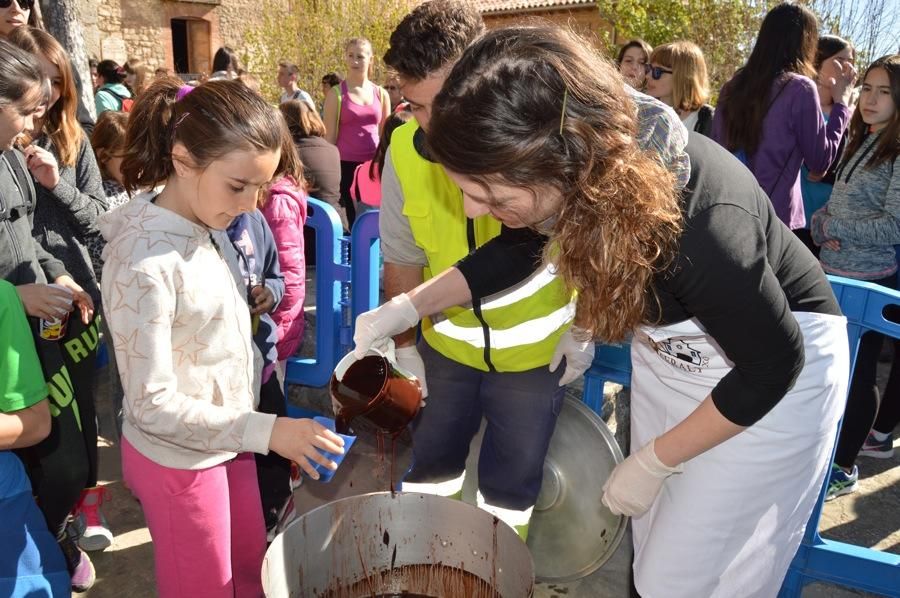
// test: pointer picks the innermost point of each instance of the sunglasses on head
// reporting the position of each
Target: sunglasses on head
(656, 71)
(23, 4)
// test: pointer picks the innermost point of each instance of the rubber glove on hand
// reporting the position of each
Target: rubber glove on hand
(408, 358)
(374, 328)
(635, 482)
(579, 354)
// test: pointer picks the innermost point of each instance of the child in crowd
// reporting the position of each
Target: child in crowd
(815, 188)
(632, 61)
(111, 92)
(57, 466)
(69, 198)
(108, 141)
(366, 187)
(857, 230)
(285, 210)
(260, 275)
(31, 563)
(182, 335)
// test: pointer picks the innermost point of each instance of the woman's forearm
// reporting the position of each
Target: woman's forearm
(702, 430)
(447, 289)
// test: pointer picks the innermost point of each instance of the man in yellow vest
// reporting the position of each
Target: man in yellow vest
(490, 357)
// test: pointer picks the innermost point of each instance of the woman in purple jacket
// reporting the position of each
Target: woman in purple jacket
(769, 114)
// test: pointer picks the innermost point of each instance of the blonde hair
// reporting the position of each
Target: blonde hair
(690, 81)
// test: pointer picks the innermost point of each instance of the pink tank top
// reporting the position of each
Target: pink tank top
(358, 128)
(365, 189)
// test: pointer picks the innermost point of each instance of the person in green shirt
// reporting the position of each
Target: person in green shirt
(36, 565)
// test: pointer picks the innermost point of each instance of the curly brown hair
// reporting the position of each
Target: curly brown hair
(432, 36)
(535, 106)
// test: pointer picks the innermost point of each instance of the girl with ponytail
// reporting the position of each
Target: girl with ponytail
(182, 334)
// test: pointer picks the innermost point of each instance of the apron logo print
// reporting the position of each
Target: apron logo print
(680, 354)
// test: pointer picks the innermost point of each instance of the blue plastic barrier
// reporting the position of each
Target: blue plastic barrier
(338, 275)
(830, 561)
(611, 363)
(332, 280)
(365, 263)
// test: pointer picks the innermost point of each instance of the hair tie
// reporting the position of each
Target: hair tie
(120, 70)
(183, 91)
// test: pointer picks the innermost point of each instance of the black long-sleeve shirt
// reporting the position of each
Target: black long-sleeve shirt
(741, 272)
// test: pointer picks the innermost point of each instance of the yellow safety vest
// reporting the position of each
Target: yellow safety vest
(512, 332)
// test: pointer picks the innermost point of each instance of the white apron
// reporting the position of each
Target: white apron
(731, 523)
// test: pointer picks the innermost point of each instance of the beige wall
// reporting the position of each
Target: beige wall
(144, 27)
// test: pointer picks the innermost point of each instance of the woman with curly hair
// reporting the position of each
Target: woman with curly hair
(739, 351)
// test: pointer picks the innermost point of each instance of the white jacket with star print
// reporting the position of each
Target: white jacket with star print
(181, 332)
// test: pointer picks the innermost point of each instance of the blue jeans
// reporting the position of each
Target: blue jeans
(521, 409)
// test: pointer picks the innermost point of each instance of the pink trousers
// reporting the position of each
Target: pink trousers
(207, 526)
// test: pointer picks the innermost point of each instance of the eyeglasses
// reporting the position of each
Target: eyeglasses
(656, 71)
(23, 4)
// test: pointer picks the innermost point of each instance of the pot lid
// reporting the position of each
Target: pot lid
(571, 533)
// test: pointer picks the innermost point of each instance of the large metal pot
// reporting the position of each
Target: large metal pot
(348, 540)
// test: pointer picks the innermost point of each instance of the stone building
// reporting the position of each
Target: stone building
(181, 36)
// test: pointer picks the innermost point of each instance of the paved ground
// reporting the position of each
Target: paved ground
(870, 517)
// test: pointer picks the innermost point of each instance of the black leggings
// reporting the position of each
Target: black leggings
(273, 472)
(348, 169)
(58, 465)
(863, 400)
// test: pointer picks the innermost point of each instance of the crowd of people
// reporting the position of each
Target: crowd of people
(535, 198)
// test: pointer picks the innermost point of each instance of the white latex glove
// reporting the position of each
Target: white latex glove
(408, 358)
(579, 354)
(375, 328)
(635, 482)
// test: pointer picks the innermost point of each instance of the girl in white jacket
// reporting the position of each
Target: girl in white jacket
(181, 331)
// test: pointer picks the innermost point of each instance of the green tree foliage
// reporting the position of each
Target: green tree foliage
(312, 34)
(724, 29)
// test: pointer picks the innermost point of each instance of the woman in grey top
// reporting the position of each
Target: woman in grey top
(858, 229)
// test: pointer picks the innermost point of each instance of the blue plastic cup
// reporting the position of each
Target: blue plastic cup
(326, 474)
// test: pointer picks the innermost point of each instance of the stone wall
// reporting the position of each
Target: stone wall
(119, 29)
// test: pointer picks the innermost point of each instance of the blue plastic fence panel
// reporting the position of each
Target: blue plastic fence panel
(830, 561)
(365, 261)
(332, 274)
(612, 363)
